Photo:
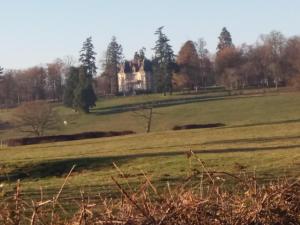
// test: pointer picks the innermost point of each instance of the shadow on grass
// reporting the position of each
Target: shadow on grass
(264, 123)
(164, 103)
(61, 167)
(230, 141)
(253, 140)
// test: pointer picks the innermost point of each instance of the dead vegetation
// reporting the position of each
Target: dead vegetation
(206, 201)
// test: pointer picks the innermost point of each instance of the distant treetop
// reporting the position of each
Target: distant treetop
(225, 40)
(87, 57)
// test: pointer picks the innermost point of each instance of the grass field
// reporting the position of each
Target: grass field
(262, 135)
(116, 113)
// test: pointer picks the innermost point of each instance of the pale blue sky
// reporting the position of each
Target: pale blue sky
(38, 31)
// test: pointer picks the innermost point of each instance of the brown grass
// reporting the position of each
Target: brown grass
(207, 201)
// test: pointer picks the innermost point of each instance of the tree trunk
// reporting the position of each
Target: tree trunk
(149, 120)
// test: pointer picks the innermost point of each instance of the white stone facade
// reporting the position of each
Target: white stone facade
(132, 78)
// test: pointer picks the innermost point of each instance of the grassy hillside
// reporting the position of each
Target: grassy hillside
(270, 150)
(231, 110)
(116, 113)
(261, 135)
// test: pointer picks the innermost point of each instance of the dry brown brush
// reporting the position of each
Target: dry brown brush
(202, 199)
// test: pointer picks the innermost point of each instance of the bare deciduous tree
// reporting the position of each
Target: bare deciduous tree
(36, 117)
(188, 61)
(227, 65)
(54, 80)
(146, 112)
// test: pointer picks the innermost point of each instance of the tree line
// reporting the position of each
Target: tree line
(273, 61)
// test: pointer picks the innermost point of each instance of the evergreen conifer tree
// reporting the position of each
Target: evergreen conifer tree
(163, 63)
(84, 95)
(71, 84)
(87, 57)
(79, 93)
(111, 63)
(225, 40)
(139, 56)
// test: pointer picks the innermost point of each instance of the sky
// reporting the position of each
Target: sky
(35, 32)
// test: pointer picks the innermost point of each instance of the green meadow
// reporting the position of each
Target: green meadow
(261, 136)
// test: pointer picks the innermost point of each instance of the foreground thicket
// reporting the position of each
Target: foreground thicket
(204, 198)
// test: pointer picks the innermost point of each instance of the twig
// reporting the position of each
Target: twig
(54, 201)
(133, 202)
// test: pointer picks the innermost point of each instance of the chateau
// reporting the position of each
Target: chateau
(135, 76)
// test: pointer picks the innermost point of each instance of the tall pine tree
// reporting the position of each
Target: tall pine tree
(163, 63)
(1, 73)
(79, 93)
(84, 95)
(111, 63)
(71, 83)
(225, 40)
(139, 56)
(87, 57)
